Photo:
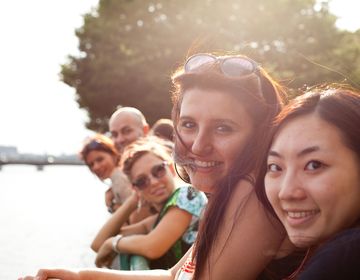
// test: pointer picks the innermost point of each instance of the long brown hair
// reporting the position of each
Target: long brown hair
(262, 98)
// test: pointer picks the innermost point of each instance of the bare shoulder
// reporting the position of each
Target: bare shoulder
(248, 214)
(248, 239)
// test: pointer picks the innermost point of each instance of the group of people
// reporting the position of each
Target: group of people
(154, 215)
(282, 178)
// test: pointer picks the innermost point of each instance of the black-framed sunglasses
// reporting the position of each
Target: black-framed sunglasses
(157, 171)
(233, 66)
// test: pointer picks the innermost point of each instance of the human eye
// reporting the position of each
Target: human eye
(314, 165)
(126, 130)
(273, 167)
(187, 124)
(99, 159)
(224, 128)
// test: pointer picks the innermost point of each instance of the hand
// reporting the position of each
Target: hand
(47, 274)
(109, 201)
(133, 199)
(105, 255)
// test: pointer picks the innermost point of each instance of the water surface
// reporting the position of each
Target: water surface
(48, 218)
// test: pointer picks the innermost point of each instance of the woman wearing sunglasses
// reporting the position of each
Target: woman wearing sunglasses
(165, 237)
(223, 110)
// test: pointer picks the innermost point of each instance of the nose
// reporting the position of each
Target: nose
(120, 139)
(202, 143)
(152, 180)
(291, 187)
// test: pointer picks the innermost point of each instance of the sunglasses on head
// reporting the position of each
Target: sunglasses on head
(96, 145)
(233, 66)
(157, 171)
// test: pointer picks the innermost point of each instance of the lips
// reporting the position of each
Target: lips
(206, 164)
(300, 217)
(159, 191)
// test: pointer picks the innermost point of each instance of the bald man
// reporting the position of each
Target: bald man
(126, 125)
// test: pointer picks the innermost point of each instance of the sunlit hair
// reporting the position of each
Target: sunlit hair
(99, 142)
(338, 105)
(262, 99)
(148, 145)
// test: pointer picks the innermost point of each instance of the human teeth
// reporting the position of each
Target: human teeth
(206, 163)
(302, 214)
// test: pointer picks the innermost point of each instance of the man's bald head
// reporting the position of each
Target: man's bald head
(126, 125)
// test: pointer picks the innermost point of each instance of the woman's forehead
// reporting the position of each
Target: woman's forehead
(211, 104)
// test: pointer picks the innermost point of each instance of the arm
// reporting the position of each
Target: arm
(143, 227)
(109, 200)
(113, 225)
(153, 245)
(100, 274)
(248, 239)
(105, 274)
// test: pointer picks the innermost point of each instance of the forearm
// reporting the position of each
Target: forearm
(125, 275)
(142, 245)
(102, 274)
(158, 241)
(113, 225)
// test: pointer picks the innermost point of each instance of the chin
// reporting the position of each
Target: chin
(302, 241)
(203, 186)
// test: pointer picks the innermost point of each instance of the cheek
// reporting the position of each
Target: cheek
(270, 191)
(234, 149)
(184, 138)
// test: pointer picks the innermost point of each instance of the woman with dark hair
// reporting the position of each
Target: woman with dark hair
(313, 180)
(101, 156)
(222, 113)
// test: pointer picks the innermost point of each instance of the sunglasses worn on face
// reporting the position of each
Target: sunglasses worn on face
(233, 66)
(157, 171)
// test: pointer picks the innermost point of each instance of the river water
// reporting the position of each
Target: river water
(48, 218)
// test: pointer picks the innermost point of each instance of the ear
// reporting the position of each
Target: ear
(146, 129)
(172, 169)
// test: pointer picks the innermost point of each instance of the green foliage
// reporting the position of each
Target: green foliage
(129, 48)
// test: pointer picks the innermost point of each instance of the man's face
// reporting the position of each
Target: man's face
(125, 128)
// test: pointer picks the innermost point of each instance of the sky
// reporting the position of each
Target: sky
(38, 113)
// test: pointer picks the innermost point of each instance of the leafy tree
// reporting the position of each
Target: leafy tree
(129, 48)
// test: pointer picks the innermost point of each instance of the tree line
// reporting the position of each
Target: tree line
(129, 48)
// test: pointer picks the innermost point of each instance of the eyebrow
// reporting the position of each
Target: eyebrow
(219, 120)
(302, 153)
(125, 127)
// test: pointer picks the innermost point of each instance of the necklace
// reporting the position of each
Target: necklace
(301, 266)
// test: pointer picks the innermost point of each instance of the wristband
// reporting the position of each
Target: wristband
(115, 242)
